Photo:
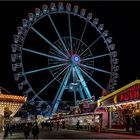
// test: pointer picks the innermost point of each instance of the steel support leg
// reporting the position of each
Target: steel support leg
(60, 91)
(81, 93)
(82, 82)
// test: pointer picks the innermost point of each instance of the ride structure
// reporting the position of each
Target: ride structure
(64, 45)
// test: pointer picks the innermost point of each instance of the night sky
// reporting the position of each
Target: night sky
(122, 19)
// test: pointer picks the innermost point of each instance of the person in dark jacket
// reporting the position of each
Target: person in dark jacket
(35, 131)
(26, 131)
(127, 122)
(6, 131)
(57, 125)
(133, 124)
(78, 125)
(50, 125)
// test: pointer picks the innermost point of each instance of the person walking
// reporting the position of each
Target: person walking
(63, 124)
(57, 125)
(35, 131)
(10, 130)
(133, 124)
(127, 122)
(78, 125)
(26, 131)
(50, 125)
(6, 131)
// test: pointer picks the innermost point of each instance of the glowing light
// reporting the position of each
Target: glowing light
(75, 58)
(11, 103)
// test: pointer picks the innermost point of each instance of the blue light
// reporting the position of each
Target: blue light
(76, 58)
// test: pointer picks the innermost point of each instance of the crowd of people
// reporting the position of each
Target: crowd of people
(130, 122)
(31, 129)
(34, 130)
(27, 128)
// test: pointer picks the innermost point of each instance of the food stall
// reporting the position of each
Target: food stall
(87, 121)
(84, 113)
(121, 103)
(9, 105)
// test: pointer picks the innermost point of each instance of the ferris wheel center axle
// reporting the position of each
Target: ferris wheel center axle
(75, 58)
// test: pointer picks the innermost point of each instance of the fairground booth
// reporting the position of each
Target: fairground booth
(84, 113)
(9, 105)
(119, 104)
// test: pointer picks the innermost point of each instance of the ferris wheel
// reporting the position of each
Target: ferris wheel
(64, 45)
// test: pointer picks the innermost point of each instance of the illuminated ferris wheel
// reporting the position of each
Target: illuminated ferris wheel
(64, 46)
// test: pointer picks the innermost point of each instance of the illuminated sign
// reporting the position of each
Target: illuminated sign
(132, 93)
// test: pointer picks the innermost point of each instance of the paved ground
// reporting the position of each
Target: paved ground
(72, 134)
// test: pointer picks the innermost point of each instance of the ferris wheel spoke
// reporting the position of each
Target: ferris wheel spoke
(52, 63)
(86, 55)
(58, 34)
(61, 77)
(91, 79)
(38, 33)
(55, 62)
(87, 70)
(59, 45)
(56, 53)
(49, 83)
(97, 69)
(94, 57)
(82, 81)
(88, 62)
(42, 69)
(53, 70)
(85, 77)
(69, 21)
(81, 37)
(91, 45)
(68, 45)
(57, 70)
(43, 54)
(81, 49)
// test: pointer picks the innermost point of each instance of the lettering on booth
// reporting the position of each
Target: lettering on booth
(132, 93)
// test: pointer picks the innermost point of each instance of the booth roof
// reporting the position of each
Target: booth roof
(119, 90)
(6, 96)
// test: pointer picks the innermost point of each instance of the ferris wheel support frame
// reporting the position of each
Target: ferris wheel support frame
(63, 86)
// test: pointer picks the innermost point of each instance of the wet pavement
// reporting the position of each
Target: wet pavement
(72, 134)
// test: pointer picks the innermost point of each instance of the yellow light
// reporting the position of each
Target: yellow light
(119, 90)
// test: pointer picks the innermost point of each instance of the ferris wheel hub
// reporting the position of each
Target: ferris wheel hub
(75, 58)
